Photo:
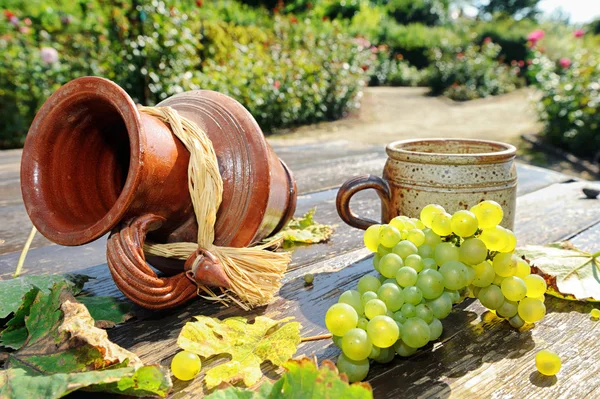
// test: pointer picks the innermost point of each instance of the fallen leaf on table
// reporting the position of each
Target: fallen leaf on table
(303, 380)
(304, 230)
(106, 310)
(569, 273)
(63, 351)
(248, 344)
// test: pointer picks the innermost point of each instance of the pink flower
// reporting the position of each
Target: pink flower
(49, 55)
(14, 20)
(277, 84)
(27, 21)
(24, 29)
(487, 40)
(521, 63)
(535, 36)
(578, 33)
(564, 62)
(362, 42)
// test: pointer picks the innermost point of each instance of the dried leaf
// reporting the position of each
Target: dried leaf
(569, 272)
(304, 230)
(248, 344)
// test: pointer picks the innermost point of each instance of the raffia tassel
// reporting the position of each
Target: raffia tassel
(255, 273)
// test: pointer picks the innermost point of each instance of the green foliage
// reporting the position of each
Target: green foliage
(509, 34)
(394, 71)
(427, 12)
(514, 8)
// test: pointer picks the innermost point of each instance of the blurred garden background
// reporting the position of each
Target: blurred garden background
(298, 62)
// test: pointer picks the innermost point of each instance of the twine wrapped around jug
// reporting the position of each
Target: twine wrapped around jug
(254, 274)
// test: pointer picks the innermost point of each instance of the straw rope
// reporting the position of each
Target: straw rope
(254, 273)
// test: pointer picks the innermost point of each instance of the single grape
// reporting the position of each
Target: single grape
(356, 344)
(513, 288)
(475, 291)
(392, 296)
(409, 225)
(408, 310)
(441, 306)
(309, 278)
(341, 318)
(375, 307)
(491, 297)
(375, 352)
(415, 332)
(354, 370)
(516, 321)
(505, 265)
(425, 251)
(420, 225)
(494, 238)
(441, 224)
(523, 268)
(362, 323)
(381, 278)
(498, 280)
(389, 265)
(463, 223)
(383, 331)
(368, 283)
(337, 341)
(595, 314)
(470, 275)
(540, 298)
(536, 285)
(531, 310)
(431, 238)
(424, 313)
(416, 236)
(399, 317)
(404, 350)
(547, 362)
(389, 236)
(488, 213)
(431, 283)
(511, 242)
(406, 276)
(413, 295)
(435, 329)
(367, 296)
(398, 222)
(405, 248)
(352, 298)
(428, 212)
(445, 252)
(386, 355)
(472, 251)
(429, 263)
(376, 260)
(508, 309)
(454, 296)
(185, 365)
(455, 275)
(414, 261)
(371, 237)
(389, 281)
(383, 251)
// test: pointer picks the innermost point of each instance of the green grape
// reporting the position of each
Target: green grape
(185, 365)
(441, 306)
(431, 238)
(341, 318)
(435, 329)
(383, 331)
(424, 313)
(412, 295)
(389, 236)
(516, 321)
(354, 370)
(376, 260)
(425, 251)
(356, 344)
(484, 274)
(511, 242)
(399, 325)
(398, 223)
(445, 252)
(368, 283)
(389, 281)
(406, 276)
(367, 296)
(404, 350)
(383, 251)
(337, 341)
(505, 265)
(352, 298)
(513, 288)
(381, 278)
(375, 352)
(371, 237)
(431, 283)
(309, 278)
(414, 261)
(399, 317)
(392, 296)
(409, 225)
(405, 248)
(386, 355)
(547, 362)
(536, 285)
(541, 298)
(362, 323)
(404, 234)
(441, 224)
(415, 332)
(389, 314)
(375, 307)
(508, 309)
(389, 265)
(463, 223)
(491, 297)
(420, 225)
(416, 236)
(429, 263)
(408, 310)
(454, 296)
(498, 280)
(531, 310)
(428, 212)
(455, 275)
(472, 251)
(595, 314)
(488, 213)
(523, 269)
(475, 291)
(494, 238)
(470, 275)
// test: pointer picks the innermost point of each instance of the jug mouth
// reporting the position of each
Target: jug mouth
(451, 151)
(80, 166)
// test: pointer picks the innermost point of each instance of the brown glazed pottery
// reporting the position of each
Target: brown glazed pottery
(93, 163)
(454, 173)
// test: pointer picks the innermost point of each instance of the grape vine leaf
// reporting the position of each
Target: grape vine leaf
(304, 230)
(107, 311)
(303, 380)
(248, 344)
(569, 272)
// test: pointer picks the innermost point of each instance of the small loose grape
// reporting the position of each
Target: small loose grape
(414, 261)
(406, 276)
(408, 310)
(185, 365)
(309, 278)
(445, 252)
(352, 298)
(354, 370)
(375, 307)
(491, 297)
(464, 223)
(392, 296)
(362, 323)
(405, 248)
(513, 288)
(367, 296)
(425, 251)
(371, 237)
(508, 309)
(441, 224)
(494, 238)
(523, 269)
(431, 283)
(428, 212)
(431, 238)
(415, 332)
(389, 236)
(424, 313)
(488, 213)
(531, 310)
(536, 285)
(356, 344)
(390, 264)
(455, 275)
(441, 306)
(341, 318)
(368, 283)
(547, 362)
(402, 349)
(435, 329)
(429, 263)
(383, 331)
(412, 295)
(416, 236)
(472, 251)
(505, 265)
(595, 314)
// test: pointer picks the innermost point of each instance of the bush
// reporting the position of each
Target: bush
(394, 71)
(472, 73)
(427, 12)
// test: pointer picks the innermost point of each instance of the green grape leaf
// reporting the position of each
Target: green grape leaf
(248, 344)
(106, 310)
(569, 273)
(14, 289)
(303, 380)
(304, 230)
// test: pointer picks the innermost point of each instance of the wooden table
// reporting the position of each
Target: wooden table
(478, 355)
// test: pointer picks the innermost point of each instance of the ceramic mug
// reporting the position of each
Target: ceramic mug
(454, 173)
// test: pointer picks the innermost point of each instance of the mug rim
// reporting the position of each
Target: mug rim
(395, 151)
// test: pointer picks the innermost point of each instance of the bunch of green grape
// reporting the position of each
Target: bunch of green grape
(424, 267)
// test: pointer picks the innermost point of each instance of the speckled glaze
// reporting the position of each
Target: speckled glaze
(454, 173)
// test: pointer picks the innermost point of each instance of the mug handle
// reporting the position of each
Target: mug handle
(354, 185)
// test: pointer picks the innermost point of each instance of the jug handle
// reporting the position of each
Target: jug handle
(354, 185)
